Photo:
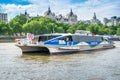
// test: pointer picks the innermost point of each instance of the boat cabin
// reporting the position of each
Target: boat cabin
(69, 39)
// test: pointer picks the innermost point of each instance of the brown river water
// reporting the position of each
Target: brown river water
(94, 65)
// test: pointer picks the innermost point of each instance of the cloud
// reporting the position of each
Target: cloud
(84, 10)
(14, 10)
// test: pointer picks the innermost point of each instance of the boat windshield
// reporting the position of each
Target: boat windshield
(46, 37)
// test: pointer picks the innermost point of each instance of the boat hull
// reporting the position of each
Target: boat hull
(62, 50)
(74, 49)
(32, 48)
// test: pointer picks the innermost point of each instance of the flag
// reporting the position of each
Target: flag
(30, 36)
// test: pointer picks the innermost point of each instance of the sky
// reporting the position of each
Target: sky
(84, 9)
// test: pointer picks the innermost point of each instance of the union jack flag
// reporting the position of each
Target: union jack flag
(30, 36)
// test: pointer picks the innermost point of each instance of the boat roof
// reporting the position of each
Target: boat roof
(65, 34)
(55, 34)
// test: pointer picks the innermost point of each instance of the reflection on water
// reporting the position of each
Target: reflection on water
(95, 65)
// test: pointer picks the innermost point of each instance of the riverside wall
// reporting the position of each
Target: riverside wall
(10, 38)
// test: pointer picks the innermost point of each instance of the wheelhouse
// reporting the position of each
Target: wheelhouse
(46, 37)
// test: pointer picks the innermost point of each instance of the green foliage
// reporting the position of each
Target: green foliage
(118, 31)
(94, 28)
(17, 22)
(103, 30)
(63, 26)
(39, 25)
(80, 26)
(3, 28)
(77, 26)
(71, 29)
(44, 25)
(118, 25)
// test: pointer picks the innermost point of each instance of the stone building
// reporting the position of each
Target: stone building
(4, 17)
(27, 16)
(94, 20)
(112, 21)
(70, 18)
(49, 13)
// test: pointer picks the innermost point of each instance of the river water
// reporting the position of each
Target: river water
(95, 65)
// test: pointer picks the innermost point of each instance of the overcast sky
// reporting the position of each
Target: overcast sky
(84, 9)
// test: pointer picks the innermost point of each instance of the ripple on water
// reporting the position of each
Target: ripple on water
(95, 65)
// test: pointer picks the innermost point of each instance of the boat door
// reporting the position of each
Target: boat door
(69, 40)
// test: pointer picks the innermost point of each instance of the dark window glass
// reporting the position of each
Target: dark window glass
(79, 38)
(46, 37)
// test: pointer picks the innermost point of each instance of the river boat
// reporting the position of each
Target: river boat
(61, 43)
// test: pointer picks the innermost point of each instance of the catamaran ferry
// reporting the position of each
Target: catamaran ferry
(65, 43)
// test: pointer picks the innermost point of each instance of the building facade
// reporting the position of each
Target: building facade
(70, 18)
(112, 21)
(94, 20)
(4, 17)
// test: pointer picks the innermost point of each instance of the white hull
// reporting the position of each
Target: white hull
(57, 50)
(32, 48)
(72, 49)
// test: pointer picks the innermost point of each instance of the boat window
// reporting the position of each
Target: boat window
(45, 38)
(62, 38)
(42, 38)
(78, 38)
(68, 38)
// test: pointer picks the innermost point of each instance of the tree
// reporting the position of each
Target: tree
(94, 28)
(64, 26)
(4, 29)
(118, 25)
(103, 30)
(71, 29)
(40, 25)
(32, 27)
(80, 26)
(17, 22)
(112, 30)
(118, 31)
